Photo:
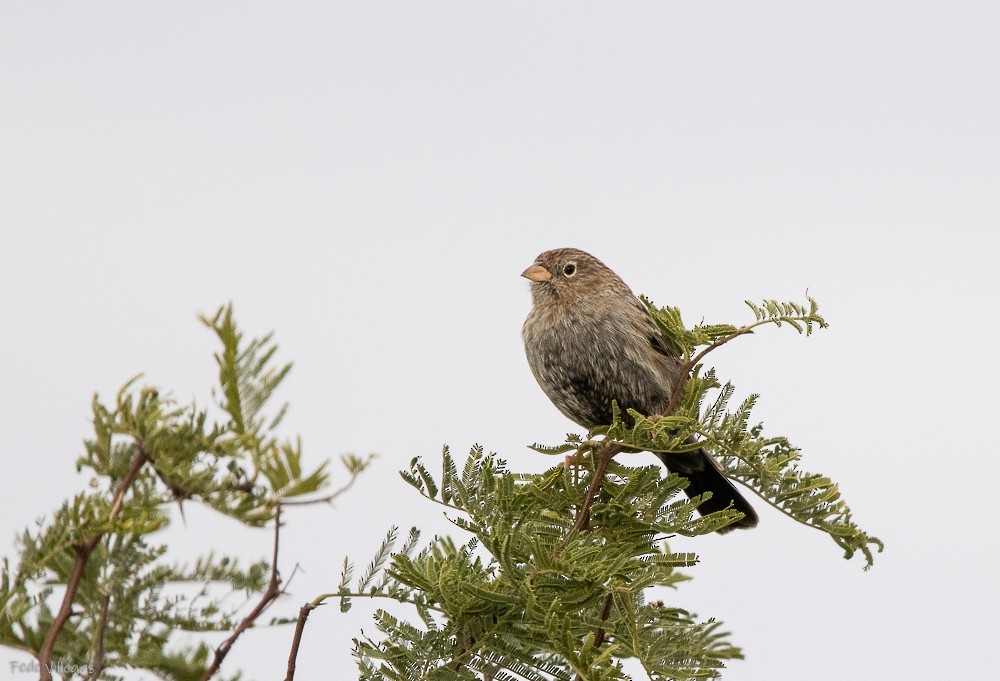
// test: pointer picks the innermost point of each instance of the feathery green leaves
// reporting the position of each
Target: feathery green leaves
(767, 465)
(513, 602)
(528, 597)
(148, 453)
(802, 318)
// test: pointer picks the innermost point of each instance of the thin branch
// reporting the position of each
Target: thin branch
(319, 600)
(300, 625)
(603, 455)
(99, 658)
(270, 595)
(295, 571)
(328, 499)
(601, 634)
(141, 458)
(685, 372)
(83, 553)
(719, 342)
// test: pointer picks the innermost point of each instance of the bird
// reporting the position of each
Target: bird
(589, 340)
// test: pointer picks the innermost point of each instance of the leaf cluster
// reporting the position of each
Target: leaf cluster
(146, 454)
(519, 601)
(803, 318)
(529, 595)
(769, 465)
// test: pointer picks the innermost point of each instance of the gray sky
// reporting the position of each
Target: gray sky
(369, 179)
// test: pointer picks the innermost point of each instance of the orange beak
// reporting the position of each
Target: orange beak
(536, 273)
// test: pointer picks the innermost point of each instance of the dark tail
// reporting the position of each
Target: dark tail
(705, 475)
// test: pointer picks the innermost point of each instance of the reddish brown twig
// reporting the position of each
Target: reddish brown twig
(602, 456)
(83, 553)
(100, 660)
(271, 594)
(300, 625)
(685, 372)
(600, 634)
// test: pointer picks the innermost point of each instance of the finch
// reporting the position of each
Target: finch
(589, 341)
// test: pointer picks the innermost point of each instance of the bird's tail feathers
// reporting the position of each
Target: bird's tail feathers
(707, 476)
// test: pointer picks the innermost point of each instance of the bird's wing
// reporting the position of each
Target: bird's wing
(655, 335)
(659, 343)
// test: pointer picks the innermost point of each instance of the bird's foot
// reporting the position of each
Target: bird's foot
(574, 460)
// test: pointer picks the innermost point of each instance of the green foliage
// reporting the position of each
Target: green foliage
(802, 318)
(148, 453)
(519, 600)
(767, 465)
(529, 595)
(544, 585)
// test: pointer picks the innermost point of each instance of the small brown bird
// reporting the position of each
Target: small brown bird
(589, 341)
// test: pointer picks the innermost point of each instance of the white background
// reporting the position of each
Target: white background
(369, 179)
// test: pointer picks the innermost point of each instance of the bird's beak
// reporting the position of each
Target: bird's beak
(536, 273)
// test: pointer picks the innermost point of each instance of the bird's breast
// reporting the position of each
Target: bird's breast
(584, 362)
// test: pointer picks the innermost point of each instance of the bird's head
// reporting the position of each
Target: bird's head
(569, 275)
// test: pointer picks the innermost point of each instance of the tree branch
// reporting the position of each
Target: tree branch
(271, 594)
(601, 634)
(99, 656)
(603, 456)
(300, 625)
(685, 372)
(83, 553)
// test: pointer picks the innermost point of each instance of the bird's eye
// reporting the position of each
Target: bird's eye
(569, 269)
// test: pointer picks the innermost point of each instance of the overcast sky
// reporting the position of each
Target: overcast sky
(369, 180)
